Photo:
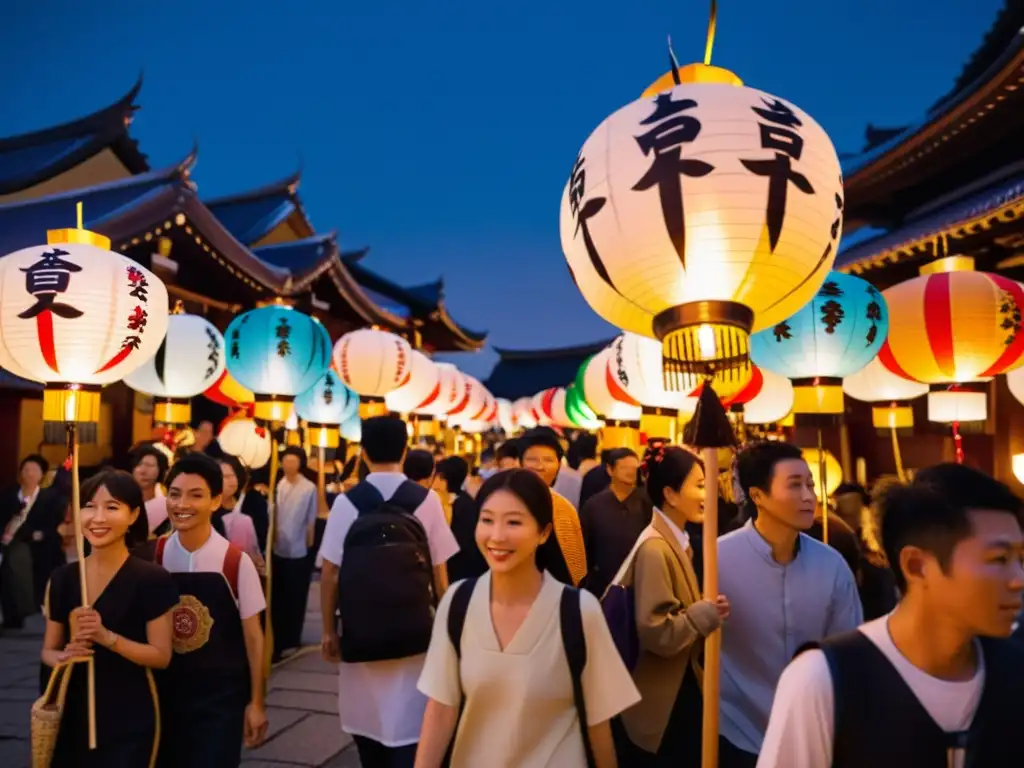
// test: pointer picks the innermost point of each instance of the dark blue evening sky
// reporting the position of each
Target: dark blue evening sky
(441, 133)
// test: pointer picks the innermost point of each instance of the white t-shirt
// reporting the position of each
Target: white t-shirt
(800, 730)
(519, 710)
(296, 511)
(209, 558)
(378, 699)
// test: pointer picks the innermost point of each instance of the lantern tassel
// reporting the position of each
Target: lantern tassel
(709, 427)
(712, 24)
(958, 441)
(673, 62)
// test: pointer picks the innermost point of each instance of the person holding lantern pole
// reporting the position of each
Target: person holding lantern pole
(786, 590)
(212, 694)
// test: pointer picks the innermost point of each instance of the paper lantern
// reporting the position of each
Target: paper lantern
(772, 402)
(833, 471)
(874, 383)
(699, 213)
(227, 391)
(248, 441)
(604, 394)
(450, 391)
(422, 385)
(486, 421)
(76, 316)
(522, 412)
(839, 332)
(955, 328)
(636, 366)
(505, 418)
(324, 407)
(372, 363)
(188, 362)
(278, 353)
(472, 404)
(579, 411)
(352, 430)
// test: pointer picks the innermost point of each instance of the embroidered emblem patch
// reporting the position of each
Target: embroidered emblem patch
(192, 624)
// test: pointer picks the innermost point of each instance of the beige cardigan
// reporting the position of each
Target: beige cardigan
(671, 626)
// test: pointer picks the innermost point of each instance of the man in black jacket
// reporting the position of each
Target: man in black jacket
(935, 682)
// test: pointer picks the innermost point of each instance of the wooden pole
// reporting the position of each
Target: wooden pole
(713, 642)
(823, 479)
(76, 512)
(321, 481)
(268, 634)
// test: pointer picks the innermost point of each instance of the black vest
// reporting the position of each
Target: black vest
(880, 723)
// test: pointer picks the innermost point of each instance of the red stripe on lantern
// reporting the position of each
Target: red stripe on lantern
(47, 347)
(617, 392)
(1015, 348)
(938, 320)
(125, 351)
(888, 361)
(749, 392)
(431, 397)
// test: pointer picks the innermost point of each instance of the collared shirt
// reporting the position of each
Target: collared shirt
(209, 558)
(610, 528)
(681, 536)
(296, 511)
(568, 484)
(776, 609)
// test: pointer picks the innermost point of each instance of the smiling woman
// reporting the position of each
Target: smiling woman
(126, 631)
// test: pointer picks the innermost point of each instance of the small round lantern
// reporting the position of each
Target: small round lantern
(636, 365)
(505, 418)
(77, 316)
(699, 213)
(604, 395)
(954, 331)
(890, 394)
(373, 363)
(421, 387)
(188, 362)
(835, 335)
(324, 407)
(450, 391)
(278, 353)
(473, 403)
(246, 440)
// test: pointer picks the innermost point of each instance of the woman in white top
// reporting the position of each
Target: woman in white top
(511, 677)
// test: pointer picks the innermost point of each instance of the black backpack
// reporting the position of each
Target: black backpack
(574, 643)
(386, 594)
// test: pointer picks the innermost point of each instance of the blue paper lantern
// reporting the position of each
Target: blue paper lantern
(278, 353)
(839, 332)
(324, 407)
(352, 429)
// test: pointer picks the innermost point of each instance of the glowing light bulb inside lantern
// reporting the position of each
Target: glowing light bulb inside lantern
(706, 345)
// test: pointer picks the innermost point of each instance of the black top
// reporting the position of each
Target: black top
(138, 593)
(255, 506)
(610, 528)
(594, 481)
(468, 562)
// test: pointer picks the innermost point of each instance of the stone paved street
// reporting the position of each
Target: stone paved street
(302, 706)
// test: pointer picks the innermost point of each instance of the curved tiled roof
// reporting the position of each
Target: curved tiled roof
(252, 215)
(525, 372)
(32, 158)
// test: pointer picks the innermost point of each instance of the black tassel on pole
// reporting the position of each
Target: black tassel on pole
(709, 427)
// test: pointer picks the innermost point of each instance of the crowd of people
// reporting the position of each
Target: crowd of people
(539, 605)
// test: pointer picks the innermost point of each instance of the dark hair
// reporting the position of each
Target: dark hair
(508, 450)
(586, 446)
(294, 450)
(527, 487)
(541, 437)
(609, 458)
(669, 469)
(848, 488)
(933, 512)
(418, 465)
(755, 467)
(487, 454)
(384, 439)
(125, 489)
(454, 470)
(148, 449)
(202, 465)
(35, 458)
(238, 468)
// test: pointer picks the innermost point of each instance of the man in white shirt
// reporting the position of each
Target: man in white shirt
(212, 693)
(927, 685)
(378, 701)
(295, 523)
(149, 465)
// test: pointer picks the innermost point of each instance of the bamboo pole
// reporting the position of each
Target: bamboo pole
(321, 482)
(823, 480)
(268, 634)
(713, 642)
(76, 512)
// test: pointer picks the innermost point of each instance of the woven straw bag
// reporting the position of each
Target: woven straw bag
(46, 715)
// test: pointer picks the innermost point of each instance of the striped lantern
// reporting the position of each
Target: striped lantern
(188, 362)
(771, 403)
(954, 331)
(372, 363)
(522, 413)
(505, 418)
(449, 391)
(889, 393)
(227, 391)
(420, 389)
(604, 395)
(474, 403)
(246, 440)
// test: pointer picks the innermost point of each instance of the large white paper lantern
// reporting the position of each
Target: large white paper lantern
(522, 413)
(890, 392)
(597, 389)
(773, 403)
(473, 403)
(188, 362)
(422, 386)
(505, 418)
(372, 362)
(246, 440)
(636, 365)
(699, 213)
(77, 316)
(450, 391)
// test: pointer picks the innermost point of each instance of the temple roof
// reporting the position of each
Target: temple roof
(976, 213)
(523, 373)
(32, 158)
(250, 216)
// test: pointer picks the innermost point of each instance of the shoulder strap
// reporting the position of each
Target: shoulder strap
(232, 562)
(408, 496)
(574, 642)
(645, 534)
(158, 553)
(457, 613)
(364, 497)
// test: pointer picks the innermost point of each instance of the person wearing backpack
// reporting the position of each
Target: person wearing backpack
(668, 619)
(522, 671)
(383, 551)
